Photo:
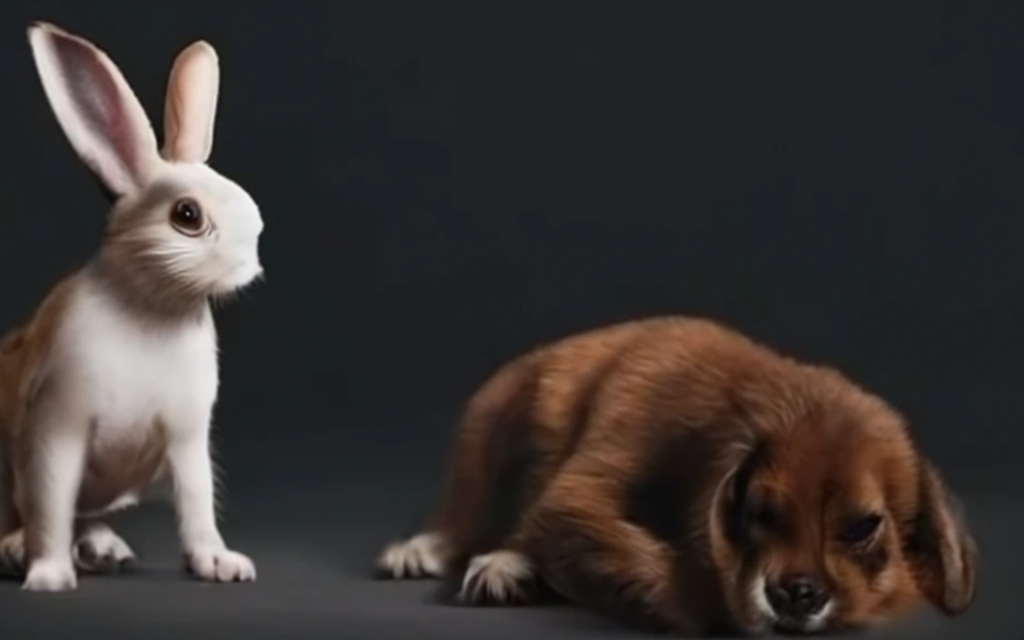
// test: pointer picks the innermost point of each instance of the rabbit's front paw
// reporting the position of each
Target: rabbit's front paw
(221, 565)
(51, 574)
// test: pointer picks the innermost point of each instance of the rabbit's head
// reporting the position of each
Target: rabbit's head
(178, 229)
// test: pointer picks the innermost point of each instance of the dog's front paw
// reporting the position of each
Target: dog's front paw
(417, 557)
(221, 565)
(51, 574)
(498, 578)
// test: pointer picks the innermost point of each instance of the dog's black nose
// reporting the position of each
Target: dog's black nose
(798, 596)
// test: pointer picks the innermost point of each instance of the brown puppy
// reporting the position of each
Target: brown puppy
(673, 473)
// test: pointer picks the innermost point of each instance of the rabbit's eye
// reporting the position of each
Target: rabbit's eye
(187, 217)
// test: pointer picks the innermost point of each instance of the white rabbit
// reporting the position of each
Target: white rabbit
(110, 385)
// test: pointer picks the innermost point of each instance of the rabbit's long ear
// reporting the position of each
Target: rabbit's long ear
(96, 108)
(191, 104)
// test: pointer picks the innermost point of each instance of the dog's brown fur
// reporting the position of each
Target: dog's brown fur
(654, 469)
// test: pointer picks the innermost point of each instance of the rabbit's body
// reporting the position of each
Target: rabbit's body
(125, 382)
(110, 385)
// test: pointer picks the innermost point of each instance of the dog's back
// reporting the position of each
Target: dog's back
(535, 411)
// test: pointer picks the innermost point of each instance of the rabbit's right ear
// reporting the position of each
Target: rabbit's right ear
(99, 113)
(190, 107)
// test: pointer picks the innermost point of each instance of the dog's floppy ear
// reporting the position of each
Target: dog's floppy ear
(942, 553)
(728, 536)
(729, 502)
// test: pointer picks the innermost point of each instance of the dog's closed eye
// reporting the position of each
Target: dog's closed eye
(861, 530)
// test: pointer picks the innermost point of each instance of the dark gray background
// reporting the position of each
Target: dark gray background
(445, 185)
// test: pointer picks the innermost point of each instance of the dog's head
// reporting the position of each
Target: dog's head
(835, 520)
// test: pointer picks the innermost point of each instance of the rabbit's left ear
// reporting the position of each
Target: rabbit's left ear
(191, 104)
(96, 109)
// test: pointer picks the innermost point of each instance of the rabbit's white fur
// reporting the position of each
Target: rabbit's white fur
(112, 363)
(114, 380)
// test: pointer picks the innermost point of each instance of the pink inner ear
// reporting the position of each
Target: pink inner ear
(99, 104)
